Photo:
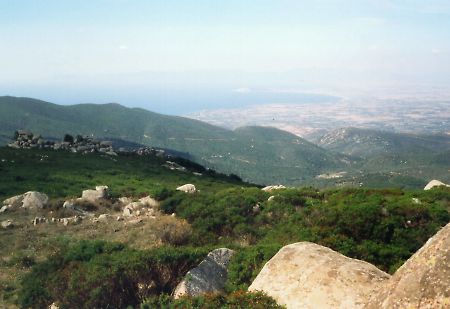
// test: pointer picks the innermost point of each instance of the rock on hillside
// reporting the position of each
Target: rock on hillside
(100, 192)
(423, 281)
(271, 188)
(29, 200)
(188, 188)
(307, 275)
(435, 183)
(208, 277)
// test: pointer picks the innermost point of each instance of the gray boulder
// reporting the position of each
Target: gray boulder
(208, 277)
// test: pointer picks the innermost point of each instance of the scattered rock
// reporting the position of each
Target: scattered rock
(39, 220)
(423, 281)
(271, 198)
(307, 275)
(103, 217)
(256, 209)
(69, 204)
(53, 306)
(14, 202)
(271, 188)
(149, 202)
(128, 211)
(4, 208)
(416, 200)
(435, 183)
(208, 277)
(125, 200)
(65, 221)
(188, 188)
(7, 224)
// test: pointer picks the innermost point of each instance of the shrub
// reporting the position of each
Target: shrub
(22, 260)
(97, 274)
(239, 299)
(68, 138)
(246, 265)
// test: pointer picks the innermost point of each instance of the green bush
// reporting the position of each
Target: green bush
(98, 274)
(235, 300)
(246, 265)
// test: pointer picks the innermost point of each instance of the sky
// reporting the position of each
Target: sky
(180, 56)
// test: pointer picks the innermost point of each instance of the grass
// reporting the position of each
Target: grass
(381, 226)
(63, 174)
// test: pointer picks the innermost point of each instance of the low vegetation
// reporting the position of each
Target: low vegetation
(139, 266)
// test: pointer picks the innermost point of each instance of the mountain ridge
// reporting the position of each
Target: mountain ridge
(245, 151)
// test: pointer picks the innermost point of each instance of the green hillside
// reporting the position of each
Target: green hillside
(368, 143)
(389, 159)
(260, 155)
(43, 263)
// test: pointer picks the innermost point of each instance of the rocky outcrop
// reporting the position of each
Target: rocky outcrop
(435, 183)
(208, 277)
(28, 200)
(271, 188)
(148, 201)
(307, 275)
(147, 204)
(82, 144)
(423, 281)
(187, 188)
(34, 199)
(100, 192)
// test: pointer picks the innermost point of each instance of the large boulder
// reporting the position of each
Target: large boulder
(423, 281)
(208, 277)
(307, 275)
(188, 188)
(33, 200)
(29, 200)
(100, 192)
(435, 183)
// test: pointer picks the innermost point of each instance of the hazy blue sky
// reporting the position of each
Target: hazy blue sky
(155, 53)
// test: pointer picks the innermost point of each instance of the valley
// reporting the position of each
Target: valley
(312, 120)
(259, 154)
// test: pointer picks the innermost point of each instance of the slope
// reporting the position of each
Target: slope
(259, 155)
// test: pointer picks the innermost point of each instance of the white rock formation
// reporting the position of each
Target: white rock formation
(271, 188)
(29, 200)
(188, 188)
(435, 183)
(100, 192)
